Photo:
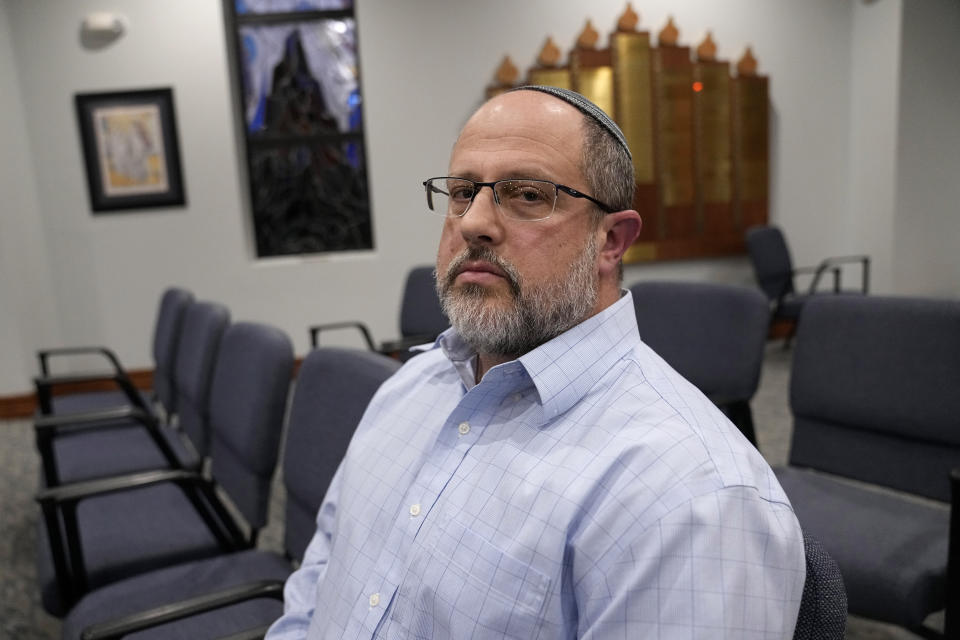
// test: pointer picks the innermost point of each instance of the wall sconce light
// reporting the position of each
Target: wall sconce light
(100, 28)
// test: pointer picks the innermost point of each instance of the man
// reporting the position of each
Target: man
(540, 472)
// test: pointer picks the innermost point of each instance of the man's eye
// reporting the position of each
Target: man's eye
(461, 193)
(532, 195)
(526, 193)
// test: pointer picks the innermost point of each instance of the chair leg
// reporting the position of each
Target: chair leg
(782, 328)
(788, 339)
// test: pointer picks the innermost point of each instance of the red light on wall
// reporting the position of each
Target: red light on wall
(697, 87)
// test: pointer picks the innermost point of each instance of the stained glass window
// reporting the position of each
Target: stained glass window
(303, 119)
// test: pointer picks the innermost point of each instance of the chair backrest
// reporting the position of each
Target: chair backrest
(420, 312)
(248, 398)
(166, 337)
(712, 334)
(823, 606)
(203, 326)
(333, 388)
(874, 391)
(770, 257)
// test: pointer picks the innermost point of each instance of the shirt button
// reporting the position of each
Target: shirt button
(414, 510)
(517, 397)
(464, 428)
(374, 599)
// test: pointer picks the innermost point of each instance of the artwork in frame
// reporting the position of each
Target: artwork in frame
(130, 149)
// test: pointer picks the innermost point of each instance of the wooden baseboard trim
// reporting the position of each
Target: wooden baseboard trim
(24, 405)
(18, 406)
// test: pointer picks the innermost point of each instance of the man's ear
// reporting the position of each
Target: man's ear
(621, 229)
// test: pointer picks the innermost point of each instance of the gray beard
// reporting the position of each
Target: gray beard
(536, 313)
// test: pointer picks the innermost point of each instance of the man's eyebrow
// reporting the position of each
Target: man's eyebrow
(520, 174)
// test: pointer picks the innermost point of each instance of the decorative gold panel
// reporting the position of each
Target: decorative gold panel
(633, 97)
(714, 140)
(698, 133)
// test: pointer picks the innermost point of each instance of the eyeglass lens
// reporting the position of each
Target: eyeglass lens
(519, 199)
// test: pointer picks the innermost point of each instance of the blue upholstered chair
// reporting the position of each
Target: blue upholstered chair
(775, 273)
(876, 436)
(223, 595)
(823, 606)
(712, 334)
(105, 530)
(421, 318)
(96, 444)
(166, 335)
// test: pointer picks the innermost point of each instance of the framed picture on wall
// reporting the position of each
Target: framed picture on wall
(130, 149)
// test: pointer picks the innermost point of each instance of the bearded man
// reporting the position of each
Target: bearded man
(539, 472)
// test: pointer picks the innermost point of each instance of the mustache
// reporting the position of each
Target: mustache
(482, 254)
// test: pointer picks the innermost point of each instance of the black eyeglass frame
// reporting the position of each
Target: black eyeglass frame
(570, 191)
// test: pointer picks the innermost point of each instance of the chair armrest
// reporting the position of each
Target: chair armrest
(43, 355)
(120, 627)
(403, 344)
(359, 326)
(90, 420)
(862, 259)
(833, 264)
(818, 272)
(77, 491)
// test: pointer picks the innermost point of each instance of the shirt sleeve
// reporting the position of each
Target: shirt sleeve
(727, 564)
(300, 591)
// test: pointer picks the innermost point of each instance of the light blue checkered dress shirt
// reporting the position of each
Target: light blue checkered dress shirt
(585, 490)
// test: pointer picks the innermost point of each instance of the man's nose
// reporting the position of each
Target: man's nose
(482, 223)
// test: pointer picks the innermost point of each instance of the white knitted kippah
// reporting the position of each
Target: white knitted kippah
(586, 107)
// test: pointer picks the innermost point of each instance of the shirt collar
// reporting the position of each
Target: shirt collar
(564, 369)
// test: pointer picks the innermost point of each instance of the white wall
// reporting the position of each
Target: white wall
(927, 229)
(424, 64)
(27, 307)
(874, 87)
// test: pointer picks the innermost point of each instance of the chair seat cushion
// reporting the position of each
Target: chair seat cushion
(891, 548)
(175, 583)
(117, 450)
(132, 532)
(93, 400)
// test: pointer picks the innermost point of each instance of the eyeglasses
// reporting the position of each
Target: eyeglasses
(519, 199)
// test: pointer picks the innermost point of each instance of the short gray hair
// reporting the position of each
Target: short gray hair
(606, 167)
(608, 171)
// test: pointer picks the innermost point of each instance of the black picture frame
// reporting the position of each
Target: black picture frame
(130, 149)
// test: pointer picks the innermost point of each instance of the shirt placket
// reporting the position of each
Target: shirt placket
(462, 429)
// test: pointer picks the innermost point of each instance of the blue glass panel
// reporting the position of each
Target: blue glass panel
(285, 6)
(301, 78)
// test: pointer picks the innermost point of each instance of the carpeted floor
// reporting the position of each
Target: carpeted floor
(20, 614)
(21, 617)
